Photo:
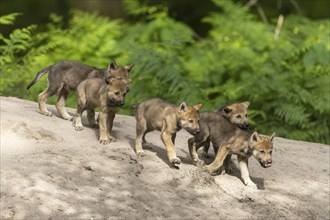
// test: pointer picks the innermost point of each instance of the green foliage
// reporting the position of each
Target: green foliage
(13, 51)
(287, 80)
(88, 38)
(159, 53)
(8, 19)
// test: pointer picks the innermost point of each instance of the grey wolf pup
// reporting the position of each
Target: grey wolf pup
(106, 94)
(235, 113)
(230, 139)
(65, 76)
(156, 114)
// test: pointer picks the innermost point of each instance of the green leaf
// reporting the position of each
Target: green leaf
(9, 18)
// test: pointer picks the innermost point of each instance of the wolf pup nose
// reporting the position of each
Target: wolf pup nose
(193, 131)
(115, 103)
(266, 164)
(246, 125)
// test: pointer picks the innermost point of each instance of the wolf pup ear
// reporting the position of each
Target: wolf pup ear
(198, 106)
(271, 138)
(183, 107)
(129, 67)
(226, 110)
(112, 65)
(245, 104)
(254, 137)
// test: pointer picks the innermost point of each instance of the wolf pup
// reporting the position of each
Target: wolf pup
(230, 139)
(106, 94)
(156, 114)
(235, 113)
(65, 76)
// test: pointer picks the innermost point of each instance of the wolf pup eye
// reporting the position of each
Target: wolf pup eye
(117, 93)
(191, 120)
(246, 115)
(238, 116)
(262, 151)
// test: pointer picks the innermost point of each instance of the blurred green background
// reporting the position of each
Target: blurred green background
(214, 52)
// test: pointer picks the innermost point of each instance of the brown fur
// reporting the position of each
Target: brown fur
(230, 139)
(156, 114)
(235, 113)
(65, 76)
(106, 94)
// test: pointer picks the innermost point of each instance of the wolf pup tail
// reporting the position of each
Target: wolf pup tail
(38, 76)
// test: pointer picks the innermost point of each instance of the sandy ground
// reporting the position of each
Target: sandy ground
(51, 171)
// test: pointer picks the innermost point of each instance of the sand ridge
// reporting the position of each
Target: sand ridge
(51, 171)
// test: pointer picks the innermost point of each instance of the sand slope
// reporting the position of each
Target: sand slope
(51, 171)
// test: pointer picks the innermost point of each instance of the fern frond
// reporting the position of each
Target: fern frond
(9, 18)
(134, 7)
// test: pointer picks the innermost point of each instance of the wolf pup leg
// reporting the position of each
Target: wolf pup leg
(170, 148)
(243, 164)
(76, 122)
(193, 147)
(110, 117)
(60, 105)
(103, 128)
(43, 97)
(141, 128)
(214, 167)
(91, 118)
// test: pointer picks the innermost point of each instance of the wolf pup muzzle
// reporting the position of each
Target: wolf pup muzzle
(265, 164)
(243, 126)
(113, 103)
(193, 131)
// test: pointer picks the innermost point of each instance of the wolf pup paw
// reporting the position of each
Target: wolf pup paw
(251, 185)
(47, 113)
(199, 162)
(175, 160)
(78, 128)
(68, 117)
(140, 153)
(211, 170)
(112, 138)
(105, 141)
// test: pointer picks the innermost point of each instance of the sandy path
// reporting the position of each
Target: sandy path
(51, 171)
